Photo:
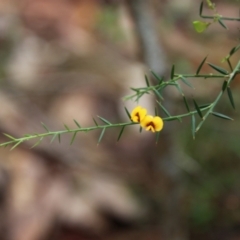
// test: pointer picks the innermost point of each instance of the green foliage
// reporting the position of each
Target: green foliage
(156, 89)
(201, 26)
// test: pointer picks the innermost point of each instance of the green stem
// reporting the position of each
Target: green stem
(201, 75)
(232, 75)
(186, 114)
(222, 18)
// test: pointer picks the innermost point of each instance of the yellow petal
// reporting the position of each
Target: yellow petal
(150, 123)
(138, 114)
(158, 122)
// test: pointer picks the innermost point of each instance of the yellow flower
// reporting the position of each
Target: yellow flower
(150, 123)
(138, 114)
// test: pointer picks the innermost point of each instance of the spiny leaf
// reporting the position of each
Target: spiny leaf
(104, 120)
(229, 64)
(101, 135)
(200, 66)
(179, 89)
(19, 142)
(66, 127)
(218, 69)
(230, 97)
(37, 143)
(157, 93)
(73, 138)
(78, 125)
(198, 109)
(172, 71)
(204, 105)
(222, 23)
(200, 26)
(120, 134)
(45, 127)
(160, 79)
(127, 113)
(186, 103)
(233, 50)
(54, 136)
(220, 115)
(186, 81)
(193, 126)
(200, 9)
(9, 136)
(164, 109)
(95, 122)
(147, 81)
(224, 86)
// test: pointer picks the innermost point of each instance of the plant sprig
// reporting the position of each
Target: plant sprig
(202, 111)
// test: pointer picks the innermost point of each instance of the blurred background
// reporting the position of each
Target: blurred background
(75, 59)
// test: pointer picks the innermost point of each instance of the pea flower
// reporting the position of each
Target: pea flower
(150, 123)
(138, 114)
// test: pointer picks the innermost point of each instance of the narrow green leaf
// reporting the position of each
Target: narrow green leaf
(19, 142)
(200, 66)
(179, 89)
(186, 103)
(193, 126)
(164, 109)
(59, 137)
(140, 129)
(78, 125)
(201, 8)
(172, 71)
(9, 136)
(37, 143)
(120, 134)
(157, 93)
(101, 135)
(218, 69)
(229, 64)
(198, 109)
(199, 125)
(186, 81)
(160, 79)
(147, 81)
(222, 23)
(220, 115)
(45, 127)
(230, 97)
(54, 136)
(129, 116)
(104, 120)
(204, 105)
(73, 138)
(233, 50)
(95, 122)
(67, 128)
(224, 86)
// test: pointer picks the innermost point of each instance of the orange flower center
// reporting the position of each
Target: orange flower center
(151, 125)
(138, 117)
